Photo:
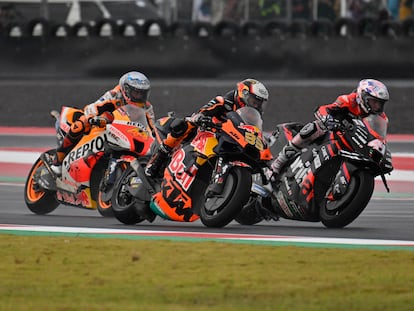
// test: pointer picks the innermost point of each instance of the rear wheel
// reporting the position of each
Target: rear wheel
(340, 213)
(220, 210)
(39, 200)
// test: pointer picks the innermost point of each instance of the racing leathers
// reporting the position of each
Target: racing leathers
(101, 111)
(327, 119)
(182, 128)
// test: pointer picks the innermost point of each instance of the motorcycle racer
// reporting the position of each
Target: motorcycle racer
(133, 89)
(369, 97)
(249, 92)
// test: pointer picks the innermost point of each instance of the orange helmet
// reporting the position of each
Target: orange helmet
(253, 93)
(135, 88)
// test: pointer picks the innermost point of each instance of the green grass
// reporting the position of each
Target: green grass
(73, 273)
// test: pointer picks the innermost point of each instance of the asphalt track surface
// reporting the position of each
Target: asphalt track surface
(387, 217)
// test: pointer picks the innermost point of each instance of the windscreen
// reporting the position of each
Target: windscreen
(377, 125)
(136, 114)
(251, 116)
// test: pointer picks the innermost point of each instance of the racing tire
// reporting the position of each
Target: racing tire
(123, 202)
(220, 210)
(340, 213)
(39, 201)
(104, 206)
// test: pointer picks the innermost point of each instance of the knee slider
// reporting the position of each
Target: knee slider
(308, 130)
(178, 128)
(290, 150)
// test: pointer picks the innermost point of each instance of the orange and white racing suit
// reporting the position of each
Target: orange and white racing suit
(104, 107)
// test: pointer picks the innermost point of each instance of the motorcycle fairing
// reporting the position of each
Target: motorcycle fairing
(131, 120)
(78, 164)
(74, 185)
(67, 115)
(183, 177)
(171, 202)
(204, 143)
(299, 179)
(81, 198)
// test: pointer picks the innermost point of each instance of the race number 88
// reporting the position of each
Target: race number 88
(252, 139)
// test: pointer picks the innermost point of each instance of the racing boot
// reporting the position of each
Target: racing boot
(77, 129)
(287, 153)
(56, 166)
(158, 161)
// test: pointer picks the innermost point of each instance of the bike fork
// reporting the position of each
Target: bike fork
(218, 178)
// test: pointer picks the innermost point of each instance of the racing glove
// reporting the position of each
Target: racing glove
(203, 121)
(98, 121)
(331, 124)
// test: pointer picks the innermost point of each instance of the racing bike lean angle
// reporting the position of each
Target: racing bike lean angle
(208, 177)
(91, 168)
(331, 181)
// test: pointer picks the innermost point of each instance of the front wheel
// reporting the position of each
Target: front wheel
(340, 213)
(220, 210)
(39, 200)
(123, 201)
(105, 191)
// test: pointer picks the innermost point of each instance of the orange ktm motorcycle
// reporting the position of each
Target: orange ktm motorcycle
(208, 177)
(91, 168)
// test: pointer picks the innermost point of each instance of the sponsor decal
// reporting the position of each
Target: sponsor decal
(177, 168)
(283, 204)
(325, 153)
(316, 159)
(95, 145)
(200, 141)
(138, 132)
(116, 135)
(176, 200)
(81, 198)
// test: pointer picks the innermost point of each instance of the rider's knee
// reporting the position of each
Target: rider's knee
(178, 128)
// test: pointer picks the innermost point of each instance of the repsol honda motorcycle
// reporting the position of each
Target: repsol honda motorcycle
(208, 177)
(90, 170)
(330, 181)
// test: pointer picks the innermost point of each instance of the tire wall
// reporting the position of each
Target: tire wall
(27, 103)
(301, 71)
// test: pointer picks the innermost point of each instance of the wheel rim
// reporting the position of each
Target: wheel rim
(103, 204)
(31, 193)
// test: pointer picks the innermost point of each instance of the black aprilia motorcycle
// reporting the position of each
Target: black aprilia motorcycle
(330, 181)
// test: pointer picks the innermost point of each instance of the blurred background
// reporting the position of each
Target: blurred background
(307, 52)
